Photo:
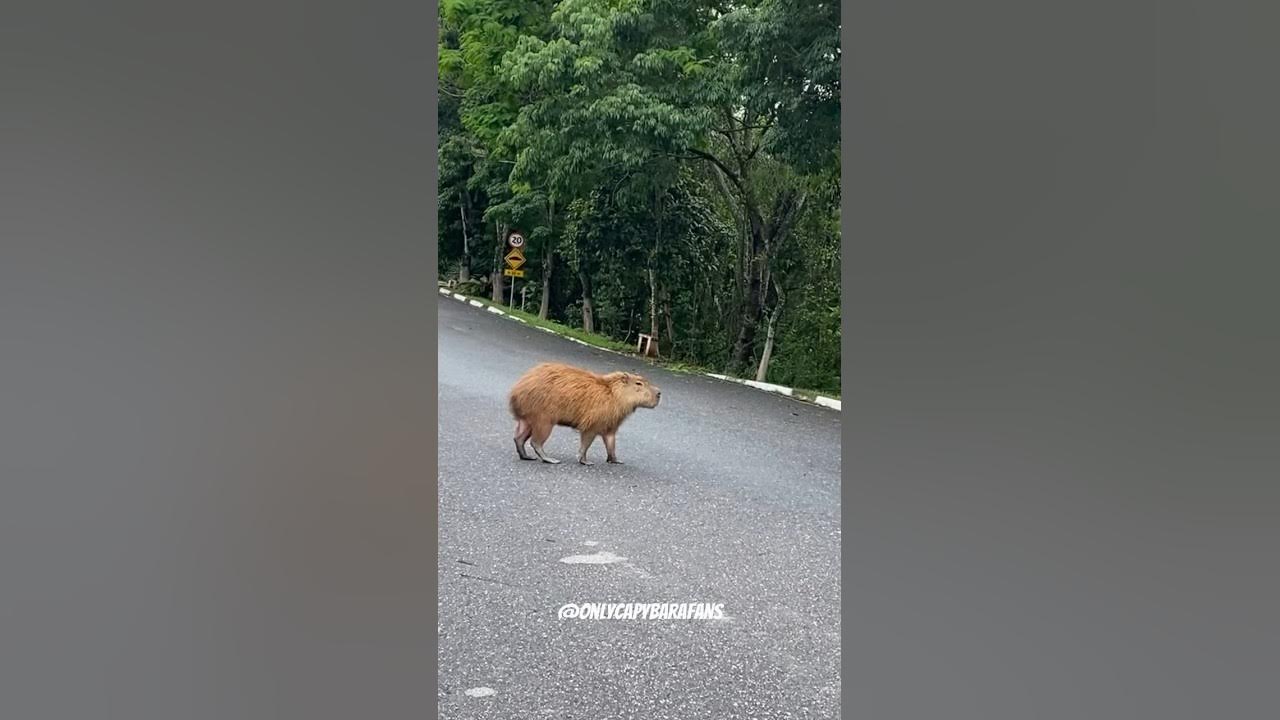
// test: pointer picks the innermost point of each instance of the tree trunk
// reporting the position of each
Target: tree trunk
(653, 274)
(653, 304)
(496, 295)
(766, 355)
(749, 315)
(588, 312)
(464, 271)
(744, 344)
(548, 263)
(548, 269)
(666, 312)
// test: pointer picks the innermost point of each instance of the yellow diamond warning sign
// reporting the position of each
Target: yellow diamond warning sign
(515, 259)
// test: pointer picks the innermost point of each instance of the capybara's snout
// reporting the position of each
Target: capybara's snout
(657, 395)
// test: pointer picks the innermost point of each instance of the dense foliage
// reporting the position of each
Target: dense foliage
(673, 165)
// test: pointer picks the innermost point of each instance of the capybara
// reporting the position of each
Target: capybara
(554, 394)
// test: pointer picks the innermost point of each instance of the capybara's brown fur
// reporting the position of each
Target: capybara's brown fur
(595, 405)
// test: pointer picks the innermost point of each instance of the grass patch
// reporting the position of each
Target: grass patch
(684, 368)
(812, 395)
(607, 343)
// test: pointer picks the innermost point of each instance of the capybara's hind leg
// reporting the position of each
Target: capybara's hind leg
(542, 431)
(587, 439)
(522, 436)
(611, 448)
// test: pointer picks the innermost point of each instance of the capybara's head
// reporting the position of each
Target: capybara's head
(635, 390)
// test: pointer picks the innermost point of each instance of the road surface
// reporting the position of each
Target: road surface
(727, 495)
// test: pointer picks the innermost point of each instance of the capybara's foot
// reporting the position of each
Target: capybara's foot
(582, 461)
(537, 450)
(615, 461)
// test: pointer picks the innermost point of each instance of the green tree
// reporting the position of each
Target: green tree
(599, 109)
(681, 159)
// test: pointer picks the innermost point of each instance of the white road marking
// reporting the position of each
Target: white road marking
(636, 570)
(603, 557)
(480, 692)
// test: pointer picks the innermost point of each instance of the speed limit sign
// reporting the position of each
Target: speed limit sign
(516, 240)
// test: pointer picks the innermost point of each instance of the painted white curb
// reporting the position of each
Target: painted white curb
(828, 402)
(459, 296)
(494, 310)
(476, 303)
(769, 387)
(778, 389)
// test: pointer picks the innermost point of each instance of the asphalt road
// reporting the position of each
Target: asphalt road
(727, 495)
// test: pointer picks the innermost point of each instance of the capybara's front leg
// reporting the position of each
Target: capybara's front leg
(542, 431)
(611, 447)
(587, 439)
(522, 436)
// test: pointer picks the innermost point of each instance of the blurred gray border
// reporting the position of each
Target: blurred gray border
(217, 360)
(433, 219)
(1060, 349)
